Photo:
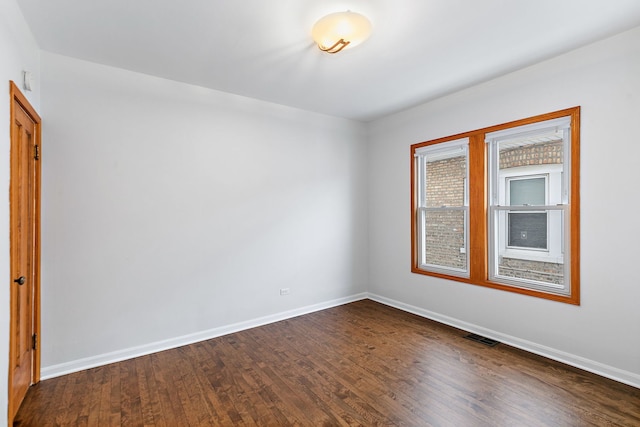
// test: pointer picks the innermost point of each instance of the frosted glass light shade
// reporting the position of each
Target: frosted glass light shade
(340, 30)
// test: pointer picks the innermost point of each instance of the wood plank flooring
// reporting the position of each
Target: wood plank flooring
(358, 364)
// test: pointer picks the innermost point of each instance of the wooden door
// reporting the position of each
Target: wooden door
(24, 197)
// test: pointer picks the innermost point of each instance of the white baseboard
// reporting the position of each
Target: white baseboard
(607, 371)
(598, 368)
(129, 353)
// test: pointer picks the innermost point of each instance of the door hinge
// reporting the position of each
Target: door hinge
(36, 152)
(34, 341)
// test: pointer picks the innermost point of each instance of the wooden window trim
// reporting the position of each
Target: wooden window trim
(478, 200)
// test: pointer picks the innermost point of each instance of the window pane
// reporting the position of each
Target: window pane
(445, 239)
(528, 230)
(544, 148)
(530, 191)
(446, 174)
(538, 271)
(526, 259)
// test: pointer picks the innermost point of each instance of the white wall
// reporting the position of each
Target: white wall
(603, 334)
(18, 52)
(169, 209)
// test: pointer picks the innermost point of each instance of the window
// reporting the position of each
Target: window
(499, 206)
(443, 208)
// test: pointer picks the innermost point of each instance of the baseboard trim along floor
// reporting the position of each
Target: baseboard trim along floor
(598, 368)
(130, 353)
(606, 371)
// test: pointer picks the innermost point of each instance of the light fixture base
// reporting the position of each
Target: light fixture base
(337, 47)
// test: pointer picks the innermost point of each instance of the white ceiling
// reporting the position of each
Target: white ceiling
(419, 49)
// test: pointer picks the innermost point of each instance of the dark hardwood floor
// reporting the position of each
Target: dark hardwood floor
(358, 364)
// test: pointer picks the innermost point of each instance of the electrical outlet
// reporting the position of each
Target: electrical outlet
(285, 291)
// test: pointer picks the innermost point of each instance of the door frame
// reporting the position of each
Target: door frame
(18, 100)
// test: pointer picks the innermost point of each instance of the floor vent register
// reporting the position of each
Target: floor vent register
(482, 340)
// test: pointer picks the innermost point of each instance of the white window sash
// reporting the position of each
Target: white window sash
(562, 123)
(421, 155)
(493, 139)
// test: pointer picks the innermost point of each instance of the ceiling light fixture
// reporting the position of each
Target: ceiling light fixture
(338, 30)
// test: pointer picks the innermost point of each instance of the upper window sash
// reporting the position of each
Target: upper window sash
(432, 152)
(561, 124)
